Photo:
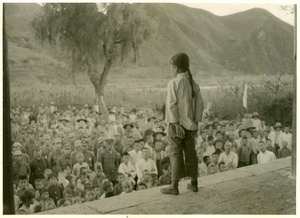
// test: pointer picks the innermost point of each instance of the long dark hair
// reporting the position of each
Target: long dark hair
(182, 61)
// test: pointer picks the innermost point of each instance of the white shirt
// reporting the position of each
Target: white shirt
(151, 151)
(162, 155)
(257, 124)
(77, 166)
(265, 157)
(254, 145)
(143, 164)
(111, 117)
(202, 169)
(109, 133)
(199, 140)
(278, 135)
(210, 149)
(272, 137)
(231, 158)
(91, 121)
(132, 117)
(135, 156)
(125, 169)
(287, 138)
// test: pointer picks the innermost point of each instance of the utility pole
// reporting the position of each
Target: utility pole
(8, 193)
(294, 141)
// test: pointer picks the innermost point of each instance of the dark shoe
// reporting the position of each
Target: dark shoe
(169, 191)
(193, 188)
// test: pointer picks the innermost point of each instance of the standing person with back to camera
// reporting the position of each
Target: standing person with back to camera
(184, 108)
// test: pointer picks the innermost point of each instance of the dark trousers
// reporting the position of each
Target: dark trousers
(187, 165)
(243, 164)
(253, 158)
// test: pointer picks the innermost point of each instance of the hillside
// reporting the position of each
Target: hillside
(254, 41)
(30, 61)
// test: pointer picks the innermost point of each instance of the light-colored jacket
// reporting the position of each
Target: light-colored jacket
(180, 106)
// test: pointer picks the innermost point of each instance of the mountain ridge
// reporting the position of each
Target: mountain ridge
(250, 42)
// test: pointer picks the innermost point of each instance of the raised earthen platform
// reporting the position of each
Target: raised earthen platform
(257, 189)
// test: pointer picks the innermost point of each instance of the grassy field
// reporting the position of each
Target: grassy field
(268, 96)
(124, 91)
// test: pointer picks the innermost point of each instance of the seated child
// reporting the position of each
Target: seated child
(108, 190)
(44, 195)
(55, 190)
(76, 200)
(118, 187)
(38, 185)
(72, 183)
(67, 171)
(212, 169)
(98, 176)
(127, 186)
(98, 192)
(88, 185)
(50, 205)
(23, 185)
(219, 146)
(62, 179)
(68, 202)
(270, 147)
(284, 151)
(153, 179)
(45, 181)
(81, 181)
(215, 159)
(69, 193)
(159, 155)
(141, 186)
(165, 179)
(229, 166)
(89, 194)
(64, 202)
(202, 167)
(79, 164)
(60, 202)
(127, 168)
(206, 160)
(83, 170)
(28, 205)
(146, 178)
(222, 167)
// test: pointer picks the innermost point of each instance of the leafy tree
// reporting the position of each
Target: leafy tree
(94, 35)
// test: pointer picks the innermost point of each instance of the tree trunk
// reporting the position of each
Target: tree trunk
(135, 53)
(100, 88)
(101, 104)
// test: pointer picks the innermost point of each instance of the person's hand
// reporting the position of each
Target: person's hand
(37, 194)
(179, 131)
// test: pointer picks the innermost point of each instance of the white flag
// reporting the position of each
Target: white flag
(245, 96)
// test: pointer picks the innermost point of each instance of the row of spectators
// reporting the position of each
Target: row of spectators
(72, 156)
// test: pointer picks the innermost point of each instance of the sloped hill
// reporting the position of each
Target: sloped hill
(258, 41)
(29, 61)
(254, 41)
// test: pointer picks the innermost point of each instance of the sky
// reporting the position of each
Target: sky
(222, 9)
(217, 7)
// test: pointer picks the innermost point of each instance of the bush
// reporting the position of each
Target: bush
(272, 104)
